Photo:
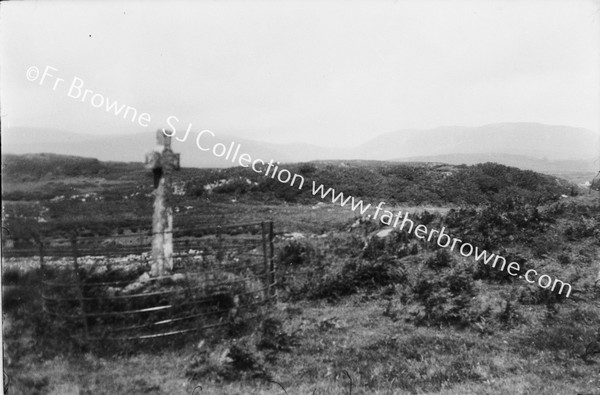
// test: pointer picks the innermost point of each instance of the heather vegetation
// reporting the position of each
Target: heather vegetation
(84, 192)
(386, 314)
(417, 183)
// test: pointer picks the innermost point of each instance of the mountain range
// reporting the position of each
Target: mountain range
(534, 146)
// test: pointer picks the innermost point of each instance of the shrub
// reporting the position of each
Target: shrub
(441, 259)
(296, 252)
(196, 191)
(236, 186)
(426, 217)
(232, 361)
(357, 275)
(442, 298)
(273, 339)
(542, 246)
(374, 249)
(534, 295)
(272, 336)
(395, 244)
(307, 169)
(585, 228)
(414, 249)
(564, 259)
(494, 274)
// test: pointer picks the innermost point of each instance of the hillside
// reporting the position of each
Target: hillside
(26, 176)
(410, 306)
(45, 166)
(60, 191)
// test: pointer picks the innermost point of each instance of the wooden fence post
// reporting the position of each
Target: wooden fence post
(79, 287)
(41, 249)
(271, 260)
(265, 260)
(220, 254)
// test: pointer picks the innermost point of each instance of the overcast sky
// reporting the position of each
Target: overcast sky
(330, 73)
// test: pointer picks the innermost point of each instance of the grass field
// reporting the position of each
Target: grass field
(381, 356)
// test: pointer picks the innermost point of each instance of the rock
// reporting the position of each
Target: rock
(138, 284)
(293, 236)
(384, 233)
(177, 277)
(144, 277)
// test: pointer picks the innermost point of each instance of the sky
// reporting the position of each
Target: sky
(333, 73)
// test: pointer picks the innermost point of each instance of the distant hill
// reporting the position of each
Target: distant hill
(45, 167)
(37, 166)
(132, 148)
(552, 143)
(543, 148)
(520, 161)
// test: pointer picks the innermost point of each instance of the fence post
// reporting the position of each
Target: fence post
(265, 260)
(43, 272)
(79, 287)
(271, 261)
(41, 249)
(220, 254)
(140, 246)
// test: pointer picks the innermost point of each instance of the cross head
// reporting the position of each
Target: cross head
(162, 159)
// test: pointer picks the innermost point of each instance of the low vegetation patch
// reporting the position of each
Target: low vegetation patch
(376, 315)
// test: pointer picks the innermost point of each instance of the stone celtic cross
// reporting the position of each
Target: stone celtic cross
(162, 161)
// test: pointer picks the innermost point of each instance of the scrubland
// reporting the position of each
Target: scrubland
(355, 314)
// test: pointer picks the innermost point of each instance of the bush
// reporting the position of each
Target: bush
(425, 218)
(414, 249)
(359, 275)
(441, 259)
(564, 259)
(307, 169)
(586, 228)
(196, 191)
(374, 249)
(395, 244)
(534, 295)
(235, 186)
(296, 252)
(442, 298)
(229, 362)
(273, 339)
(494, 274)
(542, 246)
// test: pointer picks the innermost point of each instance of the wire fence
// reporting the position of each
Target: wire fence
(99, 287)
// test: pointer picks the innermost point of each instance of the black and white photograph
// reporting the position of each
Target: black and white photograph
(300, 197)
